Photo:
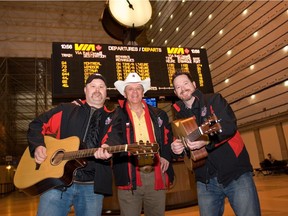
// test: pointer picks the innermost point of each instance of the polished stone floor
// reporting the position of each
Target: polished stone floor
(272, 189)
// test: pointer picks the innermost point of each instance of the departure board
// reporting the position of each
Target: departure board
(72, 63)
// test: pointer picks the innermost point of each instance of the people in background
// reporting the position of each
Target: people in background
(227, 171)
(142, 180)
(270, 158)
(97, 128)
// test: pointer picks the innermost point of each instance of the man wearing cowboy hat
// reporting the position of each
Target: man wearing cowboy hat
(142, 179)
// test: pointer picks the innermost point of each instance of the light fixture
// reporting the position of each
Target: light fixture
(245, 12)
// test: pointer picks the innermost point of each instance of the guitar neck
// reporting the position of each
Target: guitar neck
(90, 152)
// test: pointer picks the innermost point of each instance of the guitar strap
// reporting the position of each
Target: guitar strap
(91, 136)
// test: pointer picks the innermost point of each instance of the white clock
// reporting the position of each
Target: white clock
(131, 13)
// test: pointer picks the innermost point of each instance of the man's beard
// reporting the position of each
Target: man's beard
(186, 96)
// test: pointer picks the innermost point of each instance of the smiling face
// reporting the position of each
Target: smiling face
(134, 93)
(183, 88)
(96, 92)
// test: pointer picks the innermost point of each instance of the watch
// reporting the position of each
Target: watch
(131, 13)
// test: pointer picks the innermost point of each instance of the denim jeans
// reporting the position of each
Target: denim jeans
(57, 203)
(241, 193)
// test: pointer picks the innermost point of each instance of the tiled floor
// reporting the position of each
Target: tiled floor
(272, 189)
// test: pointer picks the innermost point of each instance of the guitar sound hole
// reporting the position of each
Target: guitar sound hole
(57, 158)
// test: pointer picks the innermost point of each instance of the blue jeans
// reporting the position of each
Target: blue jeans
(57, 203)
(241, 193)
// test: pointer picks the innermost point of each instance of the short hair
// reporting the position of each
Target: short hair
(180, 72)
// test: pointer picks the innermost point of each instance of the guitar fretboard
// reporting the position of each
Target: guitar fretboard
(194, 135)
(90, 152)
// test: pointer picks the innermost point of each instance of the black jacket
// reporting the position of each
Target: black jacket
(227, 155)
(68, 120)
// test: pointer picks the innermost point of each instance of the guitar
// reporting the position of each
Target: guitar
(63, 159)
(187, 129)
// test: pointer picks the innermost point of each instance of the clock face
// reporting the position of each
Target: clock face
(131, 13)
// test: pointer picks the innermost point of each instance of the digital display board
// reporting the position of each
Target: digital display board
(72, 63)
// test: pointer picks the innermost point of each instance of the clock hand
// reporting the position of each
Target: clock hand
(130, 5)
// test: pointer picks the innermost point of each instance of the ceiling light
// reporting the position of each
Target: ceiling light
(286, 83)
(245, 12)
(226, 80)
(159, 14)
(165, 41)
(286, 48)
(253, 96)
(177, 29)
(190, 14)
(210, 16)
(171, 16)
(255, 34)
(161, 30)
(221, 32)
(251, 67)
(229, 52)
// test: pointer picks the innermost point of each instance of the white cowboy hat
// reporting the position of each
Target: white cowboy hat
(132, 78)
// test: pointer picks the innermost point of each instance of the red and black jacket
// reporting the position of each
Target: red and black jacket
(69, 119)
(227, 155)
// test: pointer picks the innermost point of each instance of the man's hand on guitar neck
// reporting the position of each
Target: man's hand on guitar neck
(196, 144)
(102, 153)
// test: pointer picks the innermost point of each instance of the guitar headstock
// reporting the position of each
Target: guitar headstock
(141, 148)
(211, 125)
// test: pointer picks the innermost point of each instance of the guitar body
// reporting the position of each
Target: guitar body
(63, 159)
(185, 128)
(35, 179)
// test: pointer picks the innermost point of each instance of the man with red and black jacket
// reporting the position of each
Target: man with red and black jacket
(142, 180)
(96, 127)
(227, 171)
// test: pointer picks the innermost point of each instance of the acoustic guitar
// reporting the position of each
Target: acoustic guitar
(63, 159)
(187, 129)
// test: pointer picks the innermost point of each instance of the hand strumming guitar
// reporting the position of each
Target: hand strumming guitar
(40, 154)
(178, 147)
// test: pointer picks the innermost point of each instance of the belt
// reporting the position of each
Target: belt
(146, 169)
(83, 183)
